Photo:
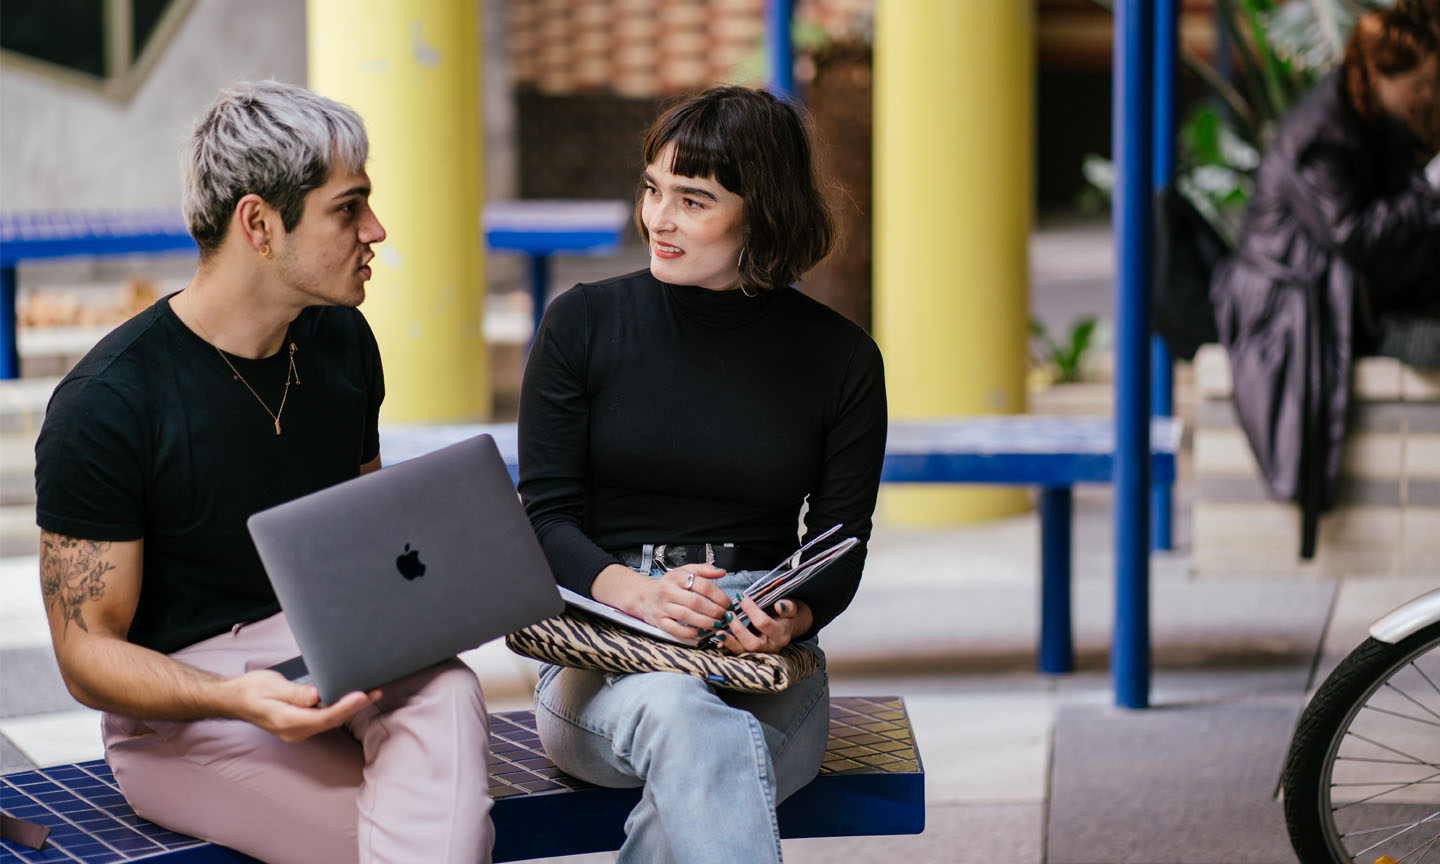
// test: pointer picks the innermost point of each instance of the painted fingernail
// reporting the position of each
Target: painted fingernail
(719, 624)
(721, 635)
(783, 607)
(729, 616)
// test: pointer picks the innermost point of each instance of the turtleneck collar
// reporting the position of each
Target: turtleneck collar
(718, 308)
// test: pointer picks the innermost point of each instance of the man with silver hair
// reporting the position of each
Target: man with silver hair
(156, 448)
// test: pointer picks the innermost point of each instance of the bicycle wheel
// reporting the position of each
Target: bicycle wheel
(1362, 779)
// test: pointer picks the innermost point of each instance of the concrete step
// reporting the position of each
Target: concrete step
(22, 408)
(19, 535)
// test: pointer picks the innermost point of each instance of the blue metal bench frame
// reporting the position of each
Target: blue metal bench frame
(39, 236)
(871, 782)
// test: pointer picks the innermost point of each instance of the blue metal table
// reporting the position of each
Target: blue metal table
(542, 228)
(1052, 453)
(37, 236)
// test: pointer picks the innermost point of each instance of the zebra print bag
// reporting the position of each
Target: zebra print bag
(587, 642)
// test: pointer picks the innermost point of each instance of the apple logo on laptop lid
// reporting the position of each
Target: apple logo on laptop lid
(409, 563)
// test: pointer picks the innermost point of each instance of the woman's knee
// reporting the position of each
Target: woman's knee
(691, 720)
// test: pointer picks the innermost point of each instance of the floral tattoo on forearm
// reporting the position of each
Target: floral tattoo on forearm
(72, 572)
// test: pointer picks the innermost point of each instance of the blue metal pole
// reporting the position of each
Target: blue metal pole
(779, 53)
(1131, 224)
(1162, 172)
(9, 348)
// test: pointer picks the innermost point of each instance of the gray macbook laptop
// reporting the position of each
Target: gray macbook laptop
(391, 572)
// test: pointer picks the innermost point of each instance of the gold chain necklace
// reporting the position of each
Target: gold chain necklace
(290, 376)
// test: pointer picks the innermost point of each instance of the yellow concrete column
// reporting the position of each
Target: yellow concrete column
(411, 68)
(954, 106)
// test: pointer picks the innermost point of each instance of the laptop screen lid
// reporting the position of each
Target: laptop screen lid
(401, 568)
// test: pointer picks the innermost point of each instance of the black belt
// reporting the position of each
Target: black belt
(668, 556)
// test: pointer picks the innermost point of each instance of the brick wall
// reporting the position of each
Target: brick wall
(649, 48)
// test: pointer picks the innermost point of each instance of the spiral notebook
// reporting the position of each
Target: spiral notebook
(776, 584)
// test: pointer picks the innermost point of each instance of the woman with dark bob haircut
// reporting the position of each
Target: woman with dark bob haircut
(673, 424)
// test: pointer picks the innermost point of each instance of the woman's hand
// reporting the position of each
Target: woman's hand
(767, 633)
(683, 602)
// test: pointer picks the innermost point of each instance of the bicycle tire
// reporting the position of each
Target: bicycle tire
(1323, 727)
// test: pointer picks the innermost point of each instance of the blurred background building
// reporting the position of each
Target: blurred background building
(92, 90)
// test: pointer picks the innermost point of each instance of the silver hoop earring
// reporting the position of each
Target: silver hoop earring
(738, 263)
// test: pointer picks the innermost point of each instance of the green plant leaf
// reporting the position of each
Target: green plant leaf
(1200, 135)
(1311, 34)
(1065, 359)
(1080, 339)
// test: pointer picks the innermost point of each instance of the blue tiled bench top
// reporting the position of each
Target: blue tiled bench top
(871, 782)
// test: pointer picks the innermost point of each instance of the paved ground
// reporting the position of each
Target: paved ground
(1019, 767)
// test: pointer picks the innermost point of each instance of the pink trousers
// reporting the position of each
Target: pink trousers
(405, 780)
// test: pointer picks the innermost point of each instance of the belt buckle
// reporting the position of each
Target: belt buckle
(665, 564)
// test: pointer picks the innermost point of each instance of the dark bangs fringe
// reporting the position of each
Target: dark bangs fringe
(758, 148)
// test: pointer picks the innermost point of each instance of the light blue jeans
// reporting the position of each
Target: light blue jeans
(714, 763)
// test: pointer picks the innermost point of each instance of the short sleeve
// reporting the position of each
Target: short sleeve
(90, 464)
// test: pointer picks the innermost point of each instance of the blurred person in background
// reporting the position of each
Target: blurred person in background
(1339, 255)
(157, 447)
(669, 412)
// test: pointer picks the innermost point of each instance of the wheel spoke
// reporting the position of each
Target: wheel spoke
(1396, 834)
(1395, 788)
(1416, 702)
(1373, 761)
(1426, 846)
(1418, 761)
(1355, 783)
(1403, 716)
(1428, 679)
(1379, 828)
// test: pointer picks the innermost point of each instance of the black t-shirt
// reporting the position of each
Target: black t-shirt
(655, 413)
(152, 438)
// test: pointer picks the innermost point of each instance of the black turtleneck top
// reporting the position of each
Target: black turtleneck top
(656, 413)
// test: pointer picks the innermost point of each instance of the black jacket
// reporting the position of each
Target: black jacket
(1341, 218)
